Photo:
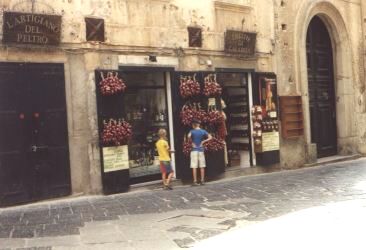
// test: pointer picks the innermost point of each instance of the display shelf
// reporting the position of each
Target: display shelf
(291, 116)
(159, 124)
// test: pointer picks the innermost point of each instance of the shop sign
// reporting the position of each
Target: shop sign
(270, 141)
(115, 158)
(240, 42)
(28, 28)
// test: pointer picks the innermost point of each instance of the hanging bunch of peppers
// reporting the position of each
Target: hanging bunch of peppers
(212, 88)
(214, 145)
(111, 84)
(187, 146)
(214, 117)
(189, 87)
(116, 132)
(192, 112)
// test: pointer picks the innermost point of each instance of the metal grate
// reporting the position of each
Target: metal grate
(195, 37)
(94, 29)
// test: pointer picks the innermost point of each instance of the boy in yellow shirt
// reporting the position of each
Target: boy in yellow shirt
(167, 172)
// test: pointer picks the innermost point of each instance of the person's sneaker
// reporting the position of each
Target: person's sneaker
(195, 184)
(202, 183)
(167, 187)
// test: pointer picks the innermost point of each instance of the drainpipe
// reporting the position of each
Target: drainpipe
(362, 97)
(363, 79)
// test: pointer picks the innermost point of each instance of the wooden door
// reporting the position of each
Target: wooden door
(34, 154)
(321, 88)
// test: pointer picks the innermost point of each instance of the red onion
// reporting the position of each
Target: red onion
(116, 133)
(189, 87)
(111, 84)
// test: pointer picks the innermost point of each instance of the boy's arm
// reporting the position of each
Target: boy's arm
(209, 137)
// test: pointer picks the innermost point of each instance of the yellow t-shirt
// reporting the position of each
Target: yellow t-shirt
(163, 150)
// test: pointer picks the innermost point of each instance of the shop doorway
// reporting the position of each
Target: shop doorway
(34, 153)
(146, 109)
(235, 105)
(144, 105)
(321, 88)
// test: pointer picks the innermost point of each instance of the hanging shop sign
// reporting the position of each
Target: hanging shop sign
(28, 28)
(115, 158)
(240, 42)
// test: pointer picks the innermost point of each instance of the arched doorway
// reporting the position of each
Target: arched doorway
(322, 101)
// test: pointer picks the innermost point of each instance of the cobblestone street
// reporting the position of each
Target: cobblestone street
(181, 218)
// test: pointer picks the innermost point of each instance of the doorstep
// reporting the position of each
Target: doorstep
(235, 172)
(333, 159)
(230, 173)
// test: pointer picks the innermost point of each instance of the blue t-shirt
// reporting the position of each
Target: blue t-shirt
(198, 135)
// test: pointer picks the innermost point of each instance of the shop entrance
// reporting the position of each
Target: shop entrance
(321, 88)
(34, 154)
(235, 105)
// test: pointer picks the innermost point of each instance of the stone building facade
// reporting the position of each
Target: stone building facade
(137, 29)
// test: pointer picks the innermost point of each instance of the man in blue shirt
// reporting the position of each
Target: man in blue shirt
(199, 136)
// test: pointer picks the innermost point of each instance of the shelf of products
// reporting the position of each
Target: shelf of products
(291, 116)
(237, 109)
(265, 130)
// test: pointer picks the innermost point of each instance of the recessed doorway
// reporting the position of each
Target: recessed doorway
(320, 69)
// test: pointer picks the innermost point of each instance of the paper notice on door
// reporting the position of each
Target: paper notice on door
(270, 141)
(115, 158)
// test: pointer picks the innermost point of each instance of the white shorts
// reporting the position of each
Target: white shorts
(198, 159)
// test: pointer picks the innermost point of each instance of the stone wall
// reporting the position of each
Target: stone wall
(136, 28)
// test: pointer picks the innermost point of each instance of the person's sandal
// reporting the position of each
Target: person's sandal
(195, 183)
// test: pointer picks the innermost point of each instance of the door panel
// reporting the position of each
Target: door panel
(13, 158)
(321, 89)
(34, 156)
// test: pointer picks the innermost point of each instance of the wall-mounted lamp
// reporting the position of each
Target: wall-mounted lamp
(209, 63)
(152, 58)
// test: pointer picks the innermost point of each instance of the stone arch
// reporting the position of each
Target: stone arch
(342, 55)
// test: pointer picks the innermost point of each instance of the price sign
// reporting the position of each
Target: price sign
(115, 158)
(270, 141)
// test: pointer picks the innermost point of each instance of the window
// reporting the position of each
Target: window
(145, 106)
(94, 29)
(195, 37)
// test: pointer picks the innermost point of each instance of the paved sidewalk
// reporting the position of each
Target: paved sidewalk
(188, 216)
